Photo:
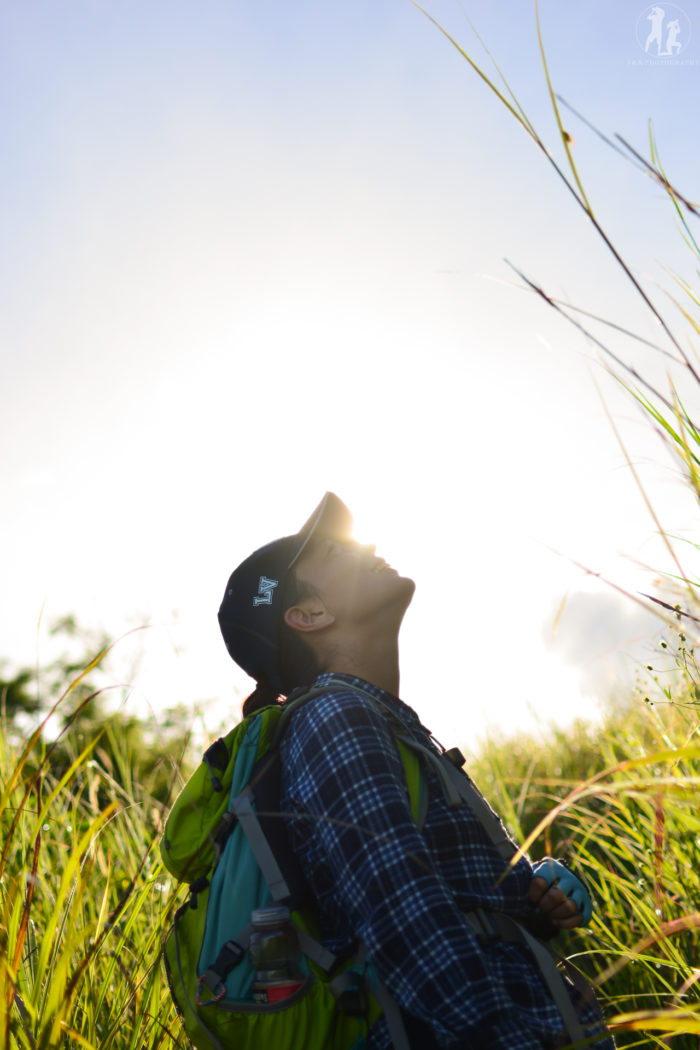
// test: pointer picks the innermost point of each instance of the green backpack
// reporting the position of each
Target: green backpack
(222, 838)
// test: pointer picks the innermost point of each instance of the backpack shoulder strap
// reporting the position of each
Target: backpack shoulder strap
(457, 787)
(417, 789)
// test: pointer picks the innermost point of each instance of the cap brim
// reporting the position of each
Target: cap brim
(331, 518)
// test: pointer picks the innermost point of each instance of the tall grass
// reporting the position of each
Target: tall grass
(623, 801)
(84, 901)
(619, 802)
(85, 898)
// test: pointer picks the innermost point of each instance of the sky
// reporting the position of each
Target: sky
(252, 252)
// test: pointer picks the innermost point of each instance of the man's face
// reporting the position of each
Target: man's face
(352, 582)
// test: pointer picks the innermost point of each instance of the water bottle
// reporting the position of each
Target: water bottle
(274, 954)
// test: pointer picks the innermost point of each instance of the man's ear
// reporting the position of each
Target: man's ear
(310, 614)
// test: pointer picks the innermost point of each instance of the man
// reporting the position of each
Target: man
(319, 607)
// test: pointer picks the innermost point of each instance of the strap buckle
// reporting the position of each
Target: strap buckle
(485, 927)
(217, 994)
(350, 993)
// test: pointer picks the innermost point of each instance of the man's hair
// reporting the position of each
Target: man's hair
(297, 660)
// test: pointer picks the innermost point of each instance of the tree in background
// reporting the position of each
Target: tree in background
(70, 701)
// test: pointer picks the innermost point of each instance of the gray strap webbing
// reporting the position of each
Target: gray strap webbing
(504, 927)
(459, 788)
(315, 951)
(424, 802)
(456, 786)
(392, 1012)
(449, 789)
(293, 705)
(342, 981)
(490, 822)
(557, 988)
(242, 807)
(247, 817)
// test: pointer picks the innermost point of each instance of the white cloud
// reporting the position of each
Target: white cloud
(606, 637)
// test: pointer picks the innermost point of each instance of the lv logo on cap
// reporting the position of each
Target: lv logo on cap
(266, 588)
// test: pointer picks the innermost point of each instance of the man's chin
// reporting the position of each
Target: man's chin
(408, 587)
(398, 596)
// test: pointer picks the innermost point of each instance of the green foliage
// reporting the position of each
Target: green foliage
(17, 697)
(73, 692)
(84, 901)
(84, 894)
(619, 802)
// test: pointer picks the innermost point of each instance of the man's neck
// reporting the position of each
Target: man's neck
(373, 660)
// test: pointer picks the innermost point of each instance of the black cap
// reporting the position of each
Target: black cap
(251, 612)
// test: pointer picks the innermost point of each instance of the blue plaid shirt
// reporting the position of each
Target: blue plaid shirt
(402, 891)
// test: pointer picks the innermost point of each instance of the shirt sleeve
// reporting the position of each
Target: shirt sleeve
(342, 771)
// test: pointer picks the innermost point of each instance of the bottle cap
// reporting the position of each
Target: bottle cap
(275, 915)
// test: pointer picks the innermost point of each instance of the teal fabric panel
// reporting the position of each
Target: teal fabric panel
(237, 886)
